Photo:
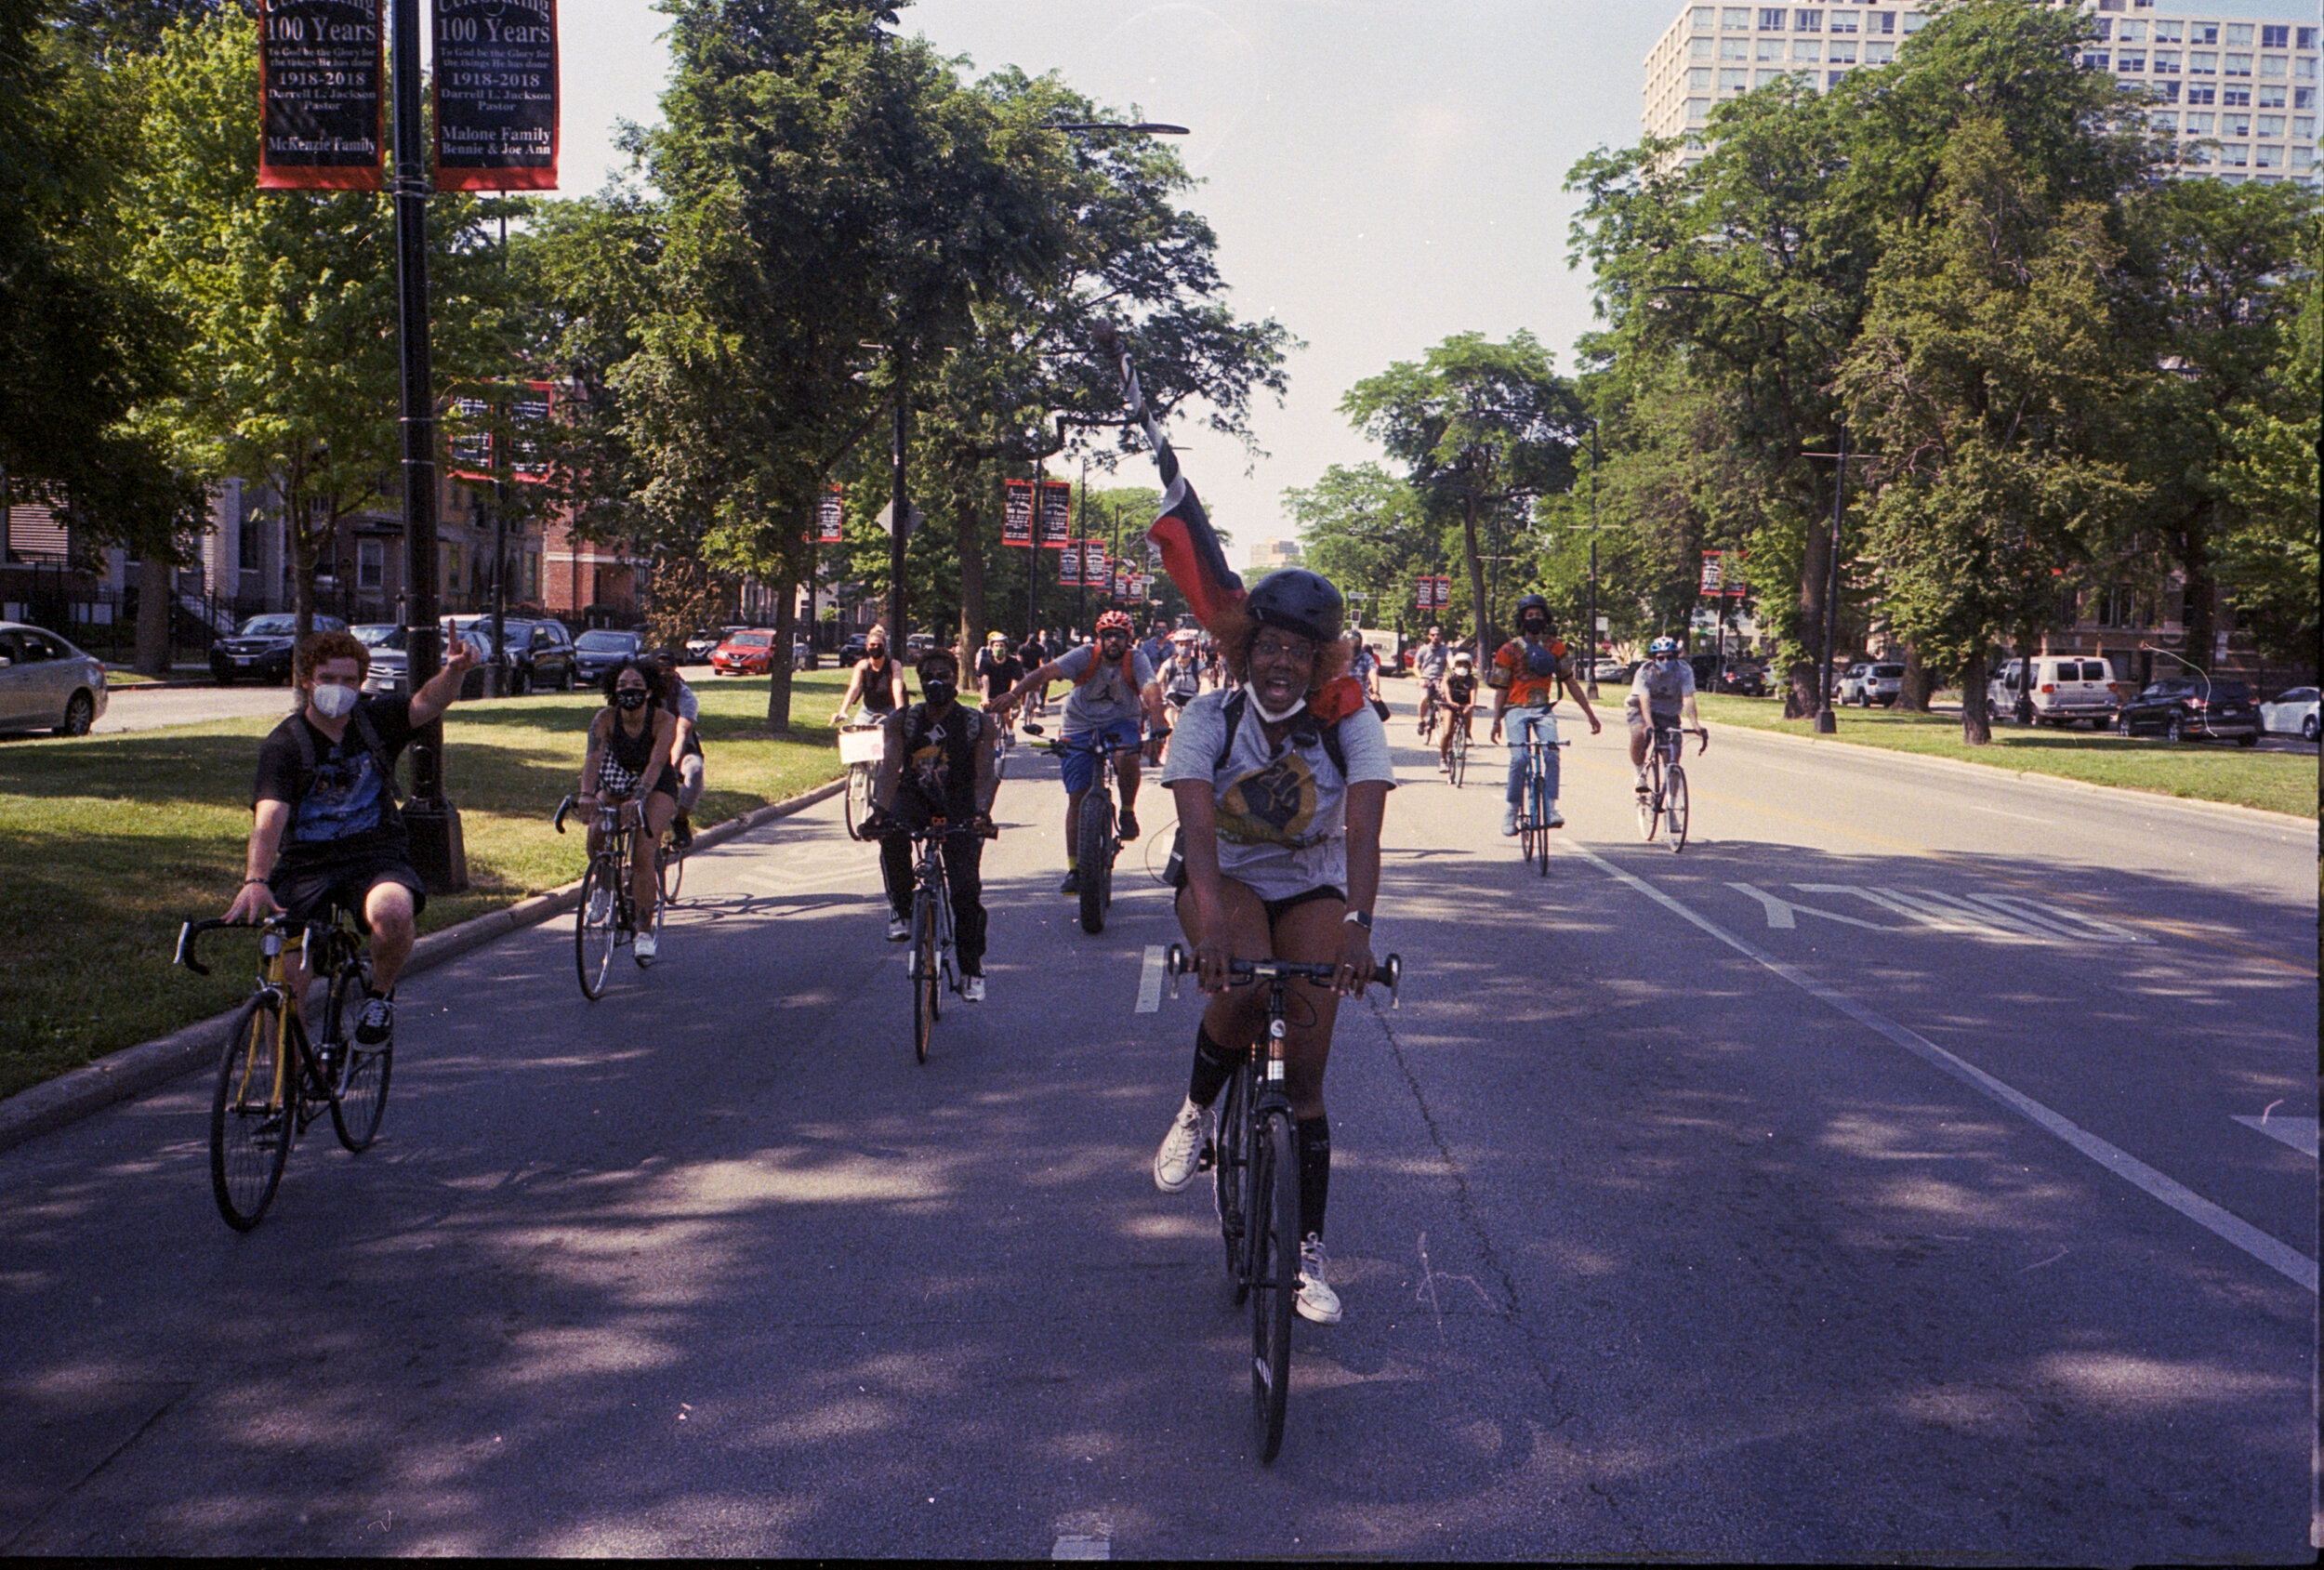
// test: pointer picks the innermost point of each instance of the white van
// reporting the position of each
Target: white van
(2066, 688)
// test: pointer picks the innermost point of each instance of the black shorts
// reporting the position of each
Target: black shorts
(309, 892)
(1276, 909)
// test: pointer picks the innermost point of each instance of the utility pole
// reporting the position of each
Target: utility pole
(899, 526)
(437, 853)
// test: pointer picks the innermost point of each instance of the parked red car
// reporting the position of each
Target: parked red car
(746, 651)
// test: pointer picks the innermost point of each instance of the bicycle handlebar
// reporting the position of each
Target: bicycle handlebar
(190, 934)
(604, 805)
(1177, 962)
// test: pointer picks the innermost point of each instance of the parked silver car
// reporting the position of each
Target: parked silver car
(48, 684)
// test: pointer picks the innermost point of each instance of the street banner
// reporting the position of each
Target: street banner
(1121, 582)
(1069, 565)
(1710, 572)
(496, 84)
(323, 102)
(507, 423)
(1057, 513)
(1735, 584)
(1191, 551)
(829, 517)
(1016, 513)
(1093, 563)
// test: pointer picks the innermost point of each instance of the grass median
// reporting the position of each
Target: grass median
(2274, 782)
(108, 842)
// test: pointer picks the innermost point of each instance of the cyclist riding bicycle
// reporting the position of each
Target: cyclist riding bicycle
(997, 672)
(941, 761)
(685, 747)
(631, 740)
(1281, 788)
(878, 684)
(1106, 704)
(1461, 705)
(326, 829)
(1430, 662)
(1660, 694)
(1527, 673)
(1177, 681)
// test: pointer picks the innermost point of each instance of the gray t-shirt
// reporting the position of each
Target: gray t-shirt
(1282, 816)
(1662, 689)
(1105, 698)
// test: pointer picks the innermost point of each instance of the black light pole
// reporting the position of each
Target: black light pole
(500, 519)
(899, 526)
(1591, 644)
(437, 854)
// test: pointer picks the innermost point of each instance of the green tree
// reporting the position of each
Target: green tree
(1366, 530)
(1984, 375)
(290, 373)
(1481, 428)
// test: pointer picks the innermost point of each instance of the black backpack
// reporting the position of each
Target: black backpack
(372, 744)
(1303, 729)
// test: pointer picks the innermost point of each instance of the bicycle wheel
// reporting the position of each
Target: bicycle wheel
(1230, 1147)
(1460, 757)
(1094, 856)
(1674, 808)
(1540, 790)
(858, 783)
(669, 865)
(361, 1098)
(250, 1124)
(925, 980)
(1274, 1207)
(1650, 804)
(593, 939)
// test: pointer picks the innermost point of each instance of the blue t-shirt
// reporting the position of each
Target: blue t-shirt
(345, 807)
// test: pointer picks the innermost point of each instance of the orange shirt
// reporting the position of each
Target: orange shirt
(1529, 688)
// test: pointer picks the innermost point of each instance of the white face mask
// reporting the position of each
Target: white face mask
(1270, 716)
(334, 702)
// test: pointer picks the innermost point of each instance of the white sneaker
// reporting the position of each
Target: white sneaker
(899, 929)
(644, 948)
(1556, 819)
(972, 989)
(601, 907)
(1316, 1300)
(1641, 782)
(1509, 819)
(1181, 1150)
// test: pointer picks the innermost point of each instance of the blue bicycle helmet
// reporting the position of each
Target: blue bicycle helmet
(1662, 648)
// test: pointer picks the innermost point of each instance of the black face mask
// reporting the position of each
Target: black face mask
(629, 698)
(938, 693)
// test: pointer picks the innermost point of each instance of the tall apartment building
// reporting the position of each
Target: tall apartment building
(2238, 92)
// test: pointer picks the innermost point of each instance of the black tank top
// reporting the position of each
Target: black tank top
(879, 694)
(625, 757)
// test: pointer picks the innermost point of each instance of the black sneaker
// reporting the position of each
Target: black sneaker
(682, 833)
(376, 1022)
(1128, 827)
(1072, 884)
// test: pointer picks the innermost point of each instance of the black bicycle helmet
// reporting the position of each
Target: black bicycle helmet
(1299, 601)
(1534, 603)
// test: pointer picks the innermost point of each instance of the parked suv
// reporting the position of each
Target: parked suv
(2189, 708)
(1850, 688)
(1884, 683)
(262, 648)
(540, 653)
(2066, 688)
(599, 649)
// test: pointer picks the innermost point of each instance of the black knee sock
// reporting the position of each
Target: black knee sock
(1314, 1172)
(1213, 1065)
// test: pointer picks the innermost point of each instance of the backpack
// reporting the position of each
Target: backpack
(1240, 701)
(1130, 667)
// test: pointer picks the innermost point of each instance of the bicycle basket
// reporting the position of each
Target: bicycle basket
(861, 744)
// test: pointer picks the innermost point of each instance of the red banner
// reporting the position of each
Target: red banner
(496, 90)
(1016, 513)
(1057, 514)
(323, 102)
(506, 440)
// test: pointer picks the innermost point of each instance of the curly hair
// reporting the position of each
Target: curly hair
(1235, 630)
(657, 680)
(318, 649)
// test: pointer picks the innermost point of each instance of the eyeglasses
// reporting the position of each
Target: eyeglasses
(1277, 649)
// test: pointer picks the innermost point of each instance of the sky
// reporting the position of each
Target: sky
(1380, 174)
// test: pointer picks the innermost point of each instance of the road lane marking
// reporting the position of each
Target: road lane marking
(2278, 1256)
(2297, 1132)
(1781, 911)
(1150, 981)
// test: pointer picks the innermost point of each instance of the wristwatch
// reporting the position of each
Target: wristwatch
(1362, 918)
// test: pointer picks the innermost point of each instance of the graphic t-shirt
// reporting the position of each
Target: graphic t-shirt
(1534, 669)
(939, 758)
(1283, 815)
(346, 808)
(1105, 699)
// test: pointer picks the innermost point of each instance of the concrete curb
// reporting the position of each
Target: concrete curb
(2254, 815)
(119, 1076)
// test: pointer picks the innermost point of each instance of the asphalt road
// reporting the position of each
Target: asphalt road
(1922, 1165)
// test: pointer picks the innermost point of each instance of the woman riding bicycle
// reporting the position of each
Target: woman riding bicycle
(1461, 705)
(630, 741)
(878, 684)
(1280, 789)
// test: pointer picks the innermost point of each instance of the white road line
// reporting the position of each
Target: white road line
(1150, 981)
(2297, 1132)
(2278, 1256)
